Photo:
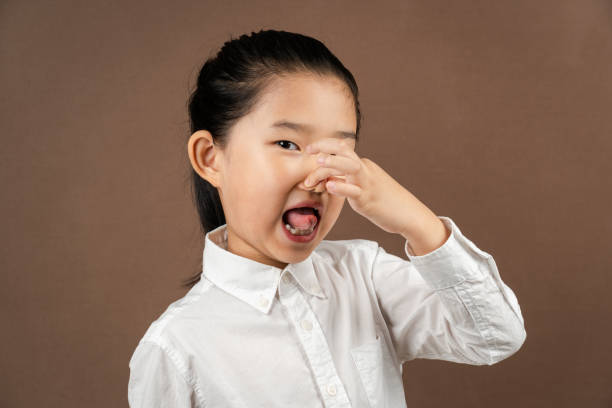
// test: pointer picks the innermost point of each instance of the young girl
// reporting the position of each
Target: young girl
(280, 317)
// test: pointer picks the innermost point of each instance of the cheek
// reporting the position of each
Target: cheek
(256, 195)
(334, 207)
(259, 176)
(266, 165)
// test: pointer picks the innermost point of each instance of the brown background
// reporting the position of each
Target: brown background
(492, 113)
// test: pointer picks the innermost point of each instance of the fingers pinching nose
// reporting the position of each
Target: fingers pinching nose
(313, 184)
(319, 187)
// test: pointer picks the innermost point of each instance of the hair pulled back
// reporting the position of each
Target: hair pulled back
(230, 84)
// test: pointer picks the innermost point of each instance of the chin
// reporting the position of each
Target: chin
(296, 255)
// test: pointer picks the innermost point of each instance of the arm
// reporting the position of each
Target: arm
(448, 304)
(447, 301)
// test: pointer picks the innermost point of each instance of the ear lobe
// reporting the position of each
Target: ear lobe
(204, 155)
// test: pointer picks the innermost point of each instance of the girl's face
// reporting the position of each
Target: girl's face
(262, 170)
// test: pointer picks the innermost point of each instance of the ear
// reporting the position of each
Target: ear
(204, 156)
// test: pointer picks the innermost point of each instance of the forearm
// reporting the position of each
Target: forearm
(423, 230)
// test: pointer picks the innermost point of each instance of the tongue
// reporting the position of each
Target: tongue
(302, 218)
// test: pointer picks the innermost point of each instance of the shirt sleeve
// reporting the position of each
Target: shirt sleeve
(449, 304)
(156, 380)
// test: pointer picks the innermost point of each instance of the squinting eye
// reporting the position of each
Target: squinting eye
(286, 141)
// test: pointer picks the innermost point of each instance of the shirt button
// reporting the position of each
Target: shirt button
(263, 302)
(331, 389)
(306, 325)
(286, 278)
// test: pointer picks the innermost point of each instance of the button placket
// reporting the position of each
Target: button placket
(316, 348)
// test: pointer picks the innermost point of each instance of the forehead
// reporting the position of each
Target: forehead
(307, 103)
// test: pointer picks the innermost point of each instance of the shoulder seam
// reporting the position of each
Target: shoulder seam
(179, 365)
(166, 317)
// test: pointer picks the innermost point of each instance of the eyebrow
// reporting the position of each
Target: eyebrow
(300, 127)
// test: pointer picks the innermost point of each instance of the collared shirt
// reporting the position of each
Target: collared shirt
(330, 331)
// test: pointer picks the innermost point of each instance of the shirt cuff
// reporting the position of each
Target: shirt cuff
(452, 263)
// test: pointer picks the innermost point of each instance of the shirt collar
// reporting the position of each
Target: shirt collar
(250, 281)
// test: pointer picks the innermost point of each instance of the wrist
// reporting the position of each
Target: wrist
(427, 235)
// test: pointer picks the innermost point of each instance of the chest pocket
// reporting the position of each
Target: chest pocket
(381, 381)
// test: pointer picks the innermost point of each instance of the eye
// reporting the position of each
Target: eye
(285, 142)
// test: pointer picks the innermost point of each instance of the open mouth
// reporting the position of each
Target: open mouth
(308, 223)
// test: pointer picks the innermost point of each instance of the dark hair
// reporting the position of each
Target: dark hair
(230, 84)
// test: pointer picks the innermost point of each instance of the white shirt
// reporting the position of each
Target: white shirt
(330, 331)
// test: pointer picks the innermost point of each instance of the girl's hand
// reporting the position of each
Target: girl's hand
(376, 195)
(370, 191)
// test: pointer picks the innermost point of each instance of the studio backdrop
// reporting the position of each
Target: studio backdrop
(496, 114)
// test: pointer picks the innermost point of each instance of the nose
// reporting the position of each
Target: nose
(317, 188)
(320, 186)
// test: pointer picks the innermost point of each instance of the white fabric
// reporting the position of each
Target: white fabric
(330, 331)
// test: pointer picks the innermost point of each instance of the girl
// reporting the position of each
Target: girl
(278, 316)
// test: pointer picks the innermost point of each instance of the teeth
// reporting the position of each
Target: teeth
(297, 231)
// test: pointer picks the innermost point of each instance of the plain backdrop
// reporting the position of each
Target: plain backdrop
(496, 114)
